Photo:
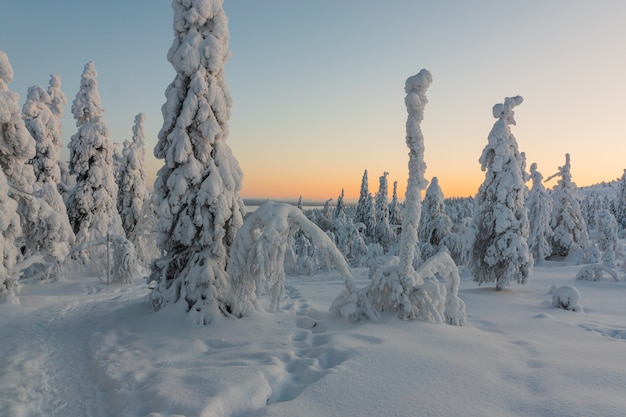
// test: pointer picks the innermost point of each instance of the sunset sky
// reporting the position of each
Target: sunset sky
(318, 85)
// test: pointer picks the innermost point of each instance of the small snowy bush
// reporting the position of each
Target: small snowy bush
(566, 297)
(595, 272)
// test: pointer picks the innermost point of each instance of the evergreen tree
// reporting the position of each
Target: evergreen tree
(91, 205)
(44, 217)
(607, 240)
(620, 203)
(500, 251)
(16, 144)
(568, 223)
(539, 205)
(13, 134)
(395, 212)
(199, 209)
(435, 224)
(365, 210)
(132, 179)
(340, 207)
(384, 233)
(57, 106)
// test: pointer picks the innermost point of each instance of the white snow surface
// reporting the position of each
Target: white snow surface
(82, 348)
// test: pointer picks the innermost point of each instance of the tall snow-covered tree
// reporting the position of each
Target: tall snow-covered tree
(395, 211)
(435, 224)
(92, 204)
(340, 207)
(57, 106)
(385, 235)
(365, 210)
(620, 203)
(16, 144)
(200, 209)
(131, 182)
(539, 205)
(44, 219)
(12, 135)
(568, 223)
(500, 250)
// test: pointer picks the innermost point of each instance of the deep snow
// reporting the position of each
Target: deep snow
(82, 348)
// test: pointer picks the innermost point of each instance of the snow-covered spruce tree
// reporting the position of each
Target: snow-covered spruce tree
(435, 224)
(131, 182)
(384, 235)
(365, 210)
(10, 229)
(91, 205)
(401, 288)
(16, 144)
(340, 207)
(539, 205)
(607, 241)
(57, 106)
(395, 211)
(500, 251)
(44, 231)
(46, 227)
(199, 209)
(620, 203)
(568, 223)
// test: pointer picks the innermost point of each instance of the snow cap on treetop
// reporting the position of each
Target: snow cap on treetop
(505, 111)
(6, 71)
(419, 82)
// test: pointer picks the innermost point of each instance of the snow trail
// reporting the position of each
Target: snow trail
(61, 380)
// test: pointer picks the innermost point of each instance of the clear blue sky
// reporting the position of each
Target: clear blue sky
(318, 85)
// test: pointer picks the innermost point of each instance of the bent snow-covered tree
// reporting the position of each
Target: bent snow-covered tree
(91, 206)
(500, 251)
(401, 288)
(197, 189)
(256, 265)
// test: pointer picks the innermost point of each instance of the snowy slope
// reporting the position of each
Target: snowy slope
(81, 348)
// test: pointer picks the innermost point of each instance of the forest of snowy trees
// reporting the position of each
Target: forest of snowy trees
(201, 252)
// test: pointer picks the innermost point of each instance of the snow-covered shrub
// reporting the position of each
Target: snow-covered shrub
(595, 272)
(500, 251)
(566, 297)
(197, 189)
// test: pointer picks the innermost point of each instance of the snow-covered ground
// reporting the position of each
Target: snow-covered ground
(82, 348)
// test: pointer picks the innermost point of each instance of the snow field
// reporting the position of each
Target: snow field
(80, 348)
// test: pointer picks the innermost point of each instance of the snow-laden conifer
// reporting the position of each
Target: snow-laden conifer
(132, 179)
(620, 202)
(10, 229)
(568, 223)
(16, 144)
(435, 224)
(606, 239)
(91, 206)
(365, 210)
(539, 205)
(500, 251)
(395, 211)
(384, 235)
(57, 103)
(198, 187)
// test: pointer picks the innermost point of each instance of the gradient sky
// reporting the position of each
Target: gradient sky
(318, 86)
